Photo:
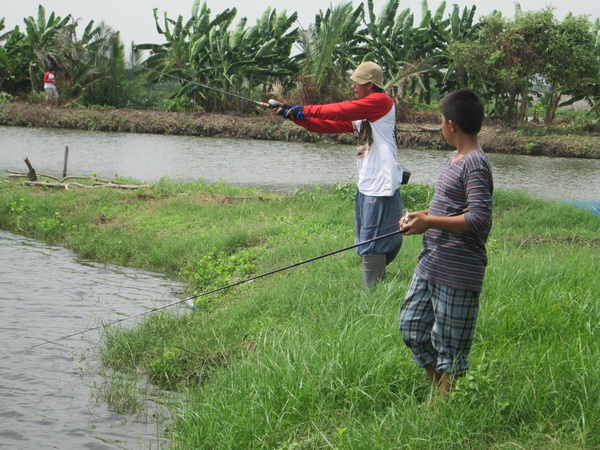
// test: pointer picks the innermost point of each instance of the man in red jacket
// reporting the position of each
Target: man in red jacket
(50, 87)
(371, 116)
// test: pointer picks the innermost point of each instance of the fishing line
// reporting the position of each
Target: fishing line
(270, 104)
(158, 308)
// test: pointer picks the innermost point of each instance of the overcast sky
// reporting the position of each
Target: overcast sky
(134, 18)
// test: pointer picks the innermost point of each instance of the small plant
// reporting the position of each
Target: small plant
(48, 225)
(345, 191)
(16, 210)
(416, 197)
(179, 104)
(5, 97)
(217, 269)
(530, 146)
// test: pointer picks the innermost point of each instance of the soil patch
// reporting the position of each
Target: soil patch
(421, 130)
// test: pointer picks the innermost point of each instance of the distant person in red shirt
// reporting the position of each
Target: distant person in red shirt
(50, 87)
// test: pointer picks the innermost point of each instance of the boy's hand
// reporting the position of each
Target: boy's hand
(414, 223)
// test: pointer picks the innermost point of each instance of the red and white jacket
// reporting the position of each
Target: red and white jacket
(373, 121)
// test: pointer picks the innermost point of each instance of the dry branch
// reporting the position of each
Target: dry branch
(23, 175)
(86, 186)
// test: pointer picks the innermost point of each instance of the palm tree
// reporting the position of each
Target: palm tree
(331, 48)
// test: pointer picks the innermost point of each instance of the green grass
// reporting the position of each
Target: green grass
(306, 358)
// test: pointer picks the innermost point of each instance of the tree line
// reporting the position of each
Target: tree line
(513, 63)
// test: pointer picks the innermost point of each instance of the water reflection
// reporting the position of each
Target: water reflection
(47, 398)
(273, 165)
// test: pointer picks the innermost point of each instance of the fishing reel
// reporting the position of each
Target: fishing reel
(275, 104)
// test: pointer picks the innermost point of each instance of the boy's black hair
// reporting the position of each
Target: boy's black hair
(464, 108)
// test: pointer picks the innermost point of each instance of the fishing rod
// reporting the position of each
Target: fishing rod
(270, 104)
(189, 299)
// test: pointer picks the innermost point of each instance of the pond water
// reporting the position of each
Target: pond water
(51, 395)
(273, 165)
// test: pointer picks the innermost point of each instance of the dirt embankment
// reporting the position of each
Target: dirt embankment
(422, 131)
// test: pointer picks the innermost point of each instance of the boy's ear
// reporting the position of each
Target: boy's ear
(453, 126)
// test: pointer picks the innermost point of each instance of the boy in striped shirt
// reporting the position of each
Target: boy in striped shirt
(437, 319)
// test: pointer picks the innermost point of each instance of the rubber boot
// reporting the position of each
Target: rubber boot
(373, 269)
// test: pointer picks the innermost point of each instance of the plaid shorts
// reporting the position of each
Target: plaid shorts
(437, 323)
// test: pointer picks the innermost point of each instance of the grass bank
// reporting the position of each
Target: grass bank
(567, 139)
(306, 358)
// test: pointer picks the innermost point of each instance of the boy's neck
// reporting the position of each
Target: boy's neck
(467, 143)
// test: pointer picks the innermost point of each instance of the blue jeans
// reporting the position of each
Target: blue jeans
(376, 216)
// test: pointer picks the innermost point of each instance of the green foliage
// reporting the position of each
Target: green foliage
(90, 68)
(206, 52)
(416, 197)
(504, 60)
(5, 98)
(530, 146)
(217, 269)
(511, 55)
(346, 191)
(330, 49)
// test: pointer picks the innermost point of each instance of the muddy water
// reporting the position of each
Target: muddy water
(273, 165)
(50, 396)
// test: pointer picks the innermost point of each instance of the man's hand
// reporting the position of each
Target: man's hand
(283, 111)
(297, 112)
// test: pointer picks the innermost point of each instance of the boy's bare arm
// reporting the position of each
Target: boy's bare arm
(420, 221)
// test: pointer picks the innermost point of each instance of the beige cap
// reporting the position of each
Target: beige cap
(368, 72)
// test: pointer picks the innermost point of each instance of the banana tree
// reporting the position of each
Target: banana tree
(406, 52)
(248, 61)
(269, 43)
(207, 52)
(40, 48)
(13, 64)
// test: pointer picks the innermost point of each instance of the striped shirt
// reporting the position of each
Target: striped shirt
(458, 259)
